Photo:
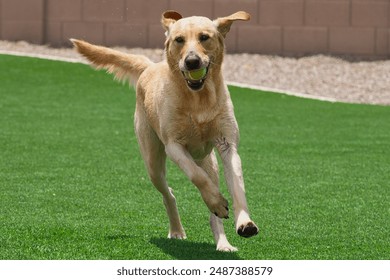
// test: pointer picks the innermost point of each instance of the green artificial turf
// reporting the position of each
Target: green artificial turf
(73, 185)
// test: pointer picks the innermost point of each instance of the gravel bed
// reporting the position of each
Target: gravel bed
(318, 76)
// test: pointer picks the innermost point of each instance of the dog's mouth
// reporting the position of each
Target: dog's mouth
(196, 78)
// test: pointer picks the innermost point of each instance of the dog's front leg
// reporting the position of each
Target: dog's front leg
(235, 182)
(214, 200)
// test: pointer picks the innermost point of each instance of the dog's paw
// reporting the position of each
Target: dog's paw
(218, 205)
(226, 248)
(177, 235)
(247, 230)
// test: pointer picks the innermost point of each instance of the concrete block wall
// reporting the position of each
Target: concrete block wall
(283, 27)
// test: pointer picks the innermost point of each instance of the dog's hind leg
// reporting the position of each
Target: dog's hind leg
(219, 235)
(154, 156)
(210, 165)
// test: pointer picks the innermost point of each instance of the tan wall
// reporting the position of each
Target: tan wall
(286, 27)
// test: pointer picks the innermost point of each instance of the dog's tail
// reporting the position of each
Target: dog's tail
(123, 66)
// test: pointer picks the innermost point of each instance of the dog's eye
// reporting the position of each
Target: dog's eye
(203, 37)
(179, 40)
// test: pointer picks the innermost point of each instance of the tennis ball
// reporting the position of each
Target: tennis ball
(197, 74)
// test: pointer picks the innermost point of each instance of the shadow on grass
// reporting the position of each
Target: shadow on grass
(189, 250)
(183, 249)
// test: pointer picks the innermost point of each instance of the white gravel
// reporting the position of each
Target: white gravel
(317, 76)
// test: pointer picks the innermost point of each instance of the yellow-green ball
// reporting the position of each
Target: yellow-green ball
(197, 74)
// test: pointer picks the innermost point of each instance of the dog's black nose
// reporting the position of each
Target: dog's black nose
(192, 62)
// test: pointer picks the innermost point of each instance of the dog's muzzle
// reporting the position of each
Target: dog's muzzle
(195, 79)
(195, 72)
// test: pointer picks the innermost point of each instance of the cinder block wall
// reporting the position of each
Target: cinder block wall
(285, 27)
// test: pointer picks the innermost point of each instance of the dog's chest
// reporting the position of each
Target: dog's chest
(202, 124)
(202, 120)
(199, 134)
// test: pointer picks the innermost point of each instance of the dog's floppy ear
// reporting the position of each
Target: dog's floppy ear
(168, 18)
(223, 24)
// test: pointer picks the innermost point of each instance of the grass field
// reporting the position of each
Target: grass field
(73, 185)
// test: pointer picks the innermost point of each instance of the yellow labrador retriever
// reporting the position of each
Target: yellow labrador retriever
(184, 111)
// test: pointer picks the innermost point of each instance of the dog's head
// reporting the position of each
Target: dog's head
(195, 45)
